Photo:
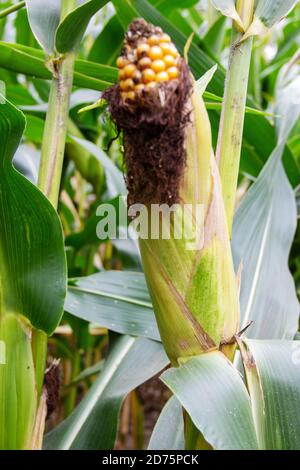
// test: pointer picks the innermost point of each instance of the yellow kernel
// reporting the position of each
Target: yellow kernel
(127, 85)
(137, 77)
(153, 40)
(139, 87)
(122, 75)
(162, 77)
(121, 62)
(173, 72)
(158, 65)
(124, 95)
(148, 75)
(156, 53)
(166, 48)
(131, 95)
(129, 70)
(173, 51)
(142, 50)
(169, 60)
(165, 38)
(144, 63)
(150, 85)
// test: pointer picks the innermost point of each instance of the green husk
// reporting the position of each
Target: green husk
(195, 293)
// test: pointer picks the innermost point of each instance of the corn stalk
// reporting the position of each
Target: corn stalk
(233, 111)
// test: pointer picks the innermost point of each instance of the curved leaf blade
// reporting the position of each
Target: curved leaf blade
(33, 265)
(168, 433)
(214, 395)
(71, 30)
(93, 425)
(44, 21)
(270, 12)
(263, 233)
(115, 300)
(273, 376)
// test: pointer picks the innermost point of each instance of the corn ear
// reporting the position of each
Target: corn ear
(170, 164)
(194, 292)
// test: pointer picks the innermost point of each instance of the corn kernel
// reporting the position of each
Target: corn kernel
(127, 85)
(139, 88)
(122, 75)
(158, 65)
(129, 70)
(166, 48)
(169, 60)
(173, 73)
(148, 75)
(121, 62)
(154, 40)
(131, 95)
(173, 51)
(142, 50)
(162, 77)
(137, 77)
(150, 85)
(124, 95)
(144, 63)
(165, 38)
(156, 53)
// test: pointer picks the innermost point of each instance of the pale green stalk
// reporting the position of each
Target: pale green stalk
(52, 156)
(233, 111)
(11, 9)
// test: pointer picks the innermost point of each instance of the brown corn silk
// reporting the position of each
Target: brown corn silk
(169, 159)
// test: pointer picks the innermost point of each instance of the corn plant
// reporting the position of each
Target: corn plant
(174, 107)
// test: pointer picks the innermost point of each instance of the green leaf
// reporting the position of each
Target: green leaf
(107, 46)
(271, 11)
(215, 397)
(168, 433)
(273, 376)
(71, 30)
(114, 176)
(18, 396)
(34, 129)
(214, 38)
(44, 21)
(33, 267)
(263, 233)
(31, 61)
(117, 300)
(227, 8)
(94, 423)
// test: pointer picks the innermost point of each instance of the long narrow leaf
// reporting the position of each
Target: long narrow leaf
(94, 423)
(168, 433)
(33, 266)
(71, 30)
(215, 397)
(115, 300)
(273, 376)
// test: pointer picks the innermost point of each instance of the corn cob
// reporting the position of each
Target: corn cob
(169, 160)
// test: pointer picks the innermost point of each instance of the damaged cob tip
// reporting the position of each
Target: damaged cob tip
(146, 60)
(149, 104)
